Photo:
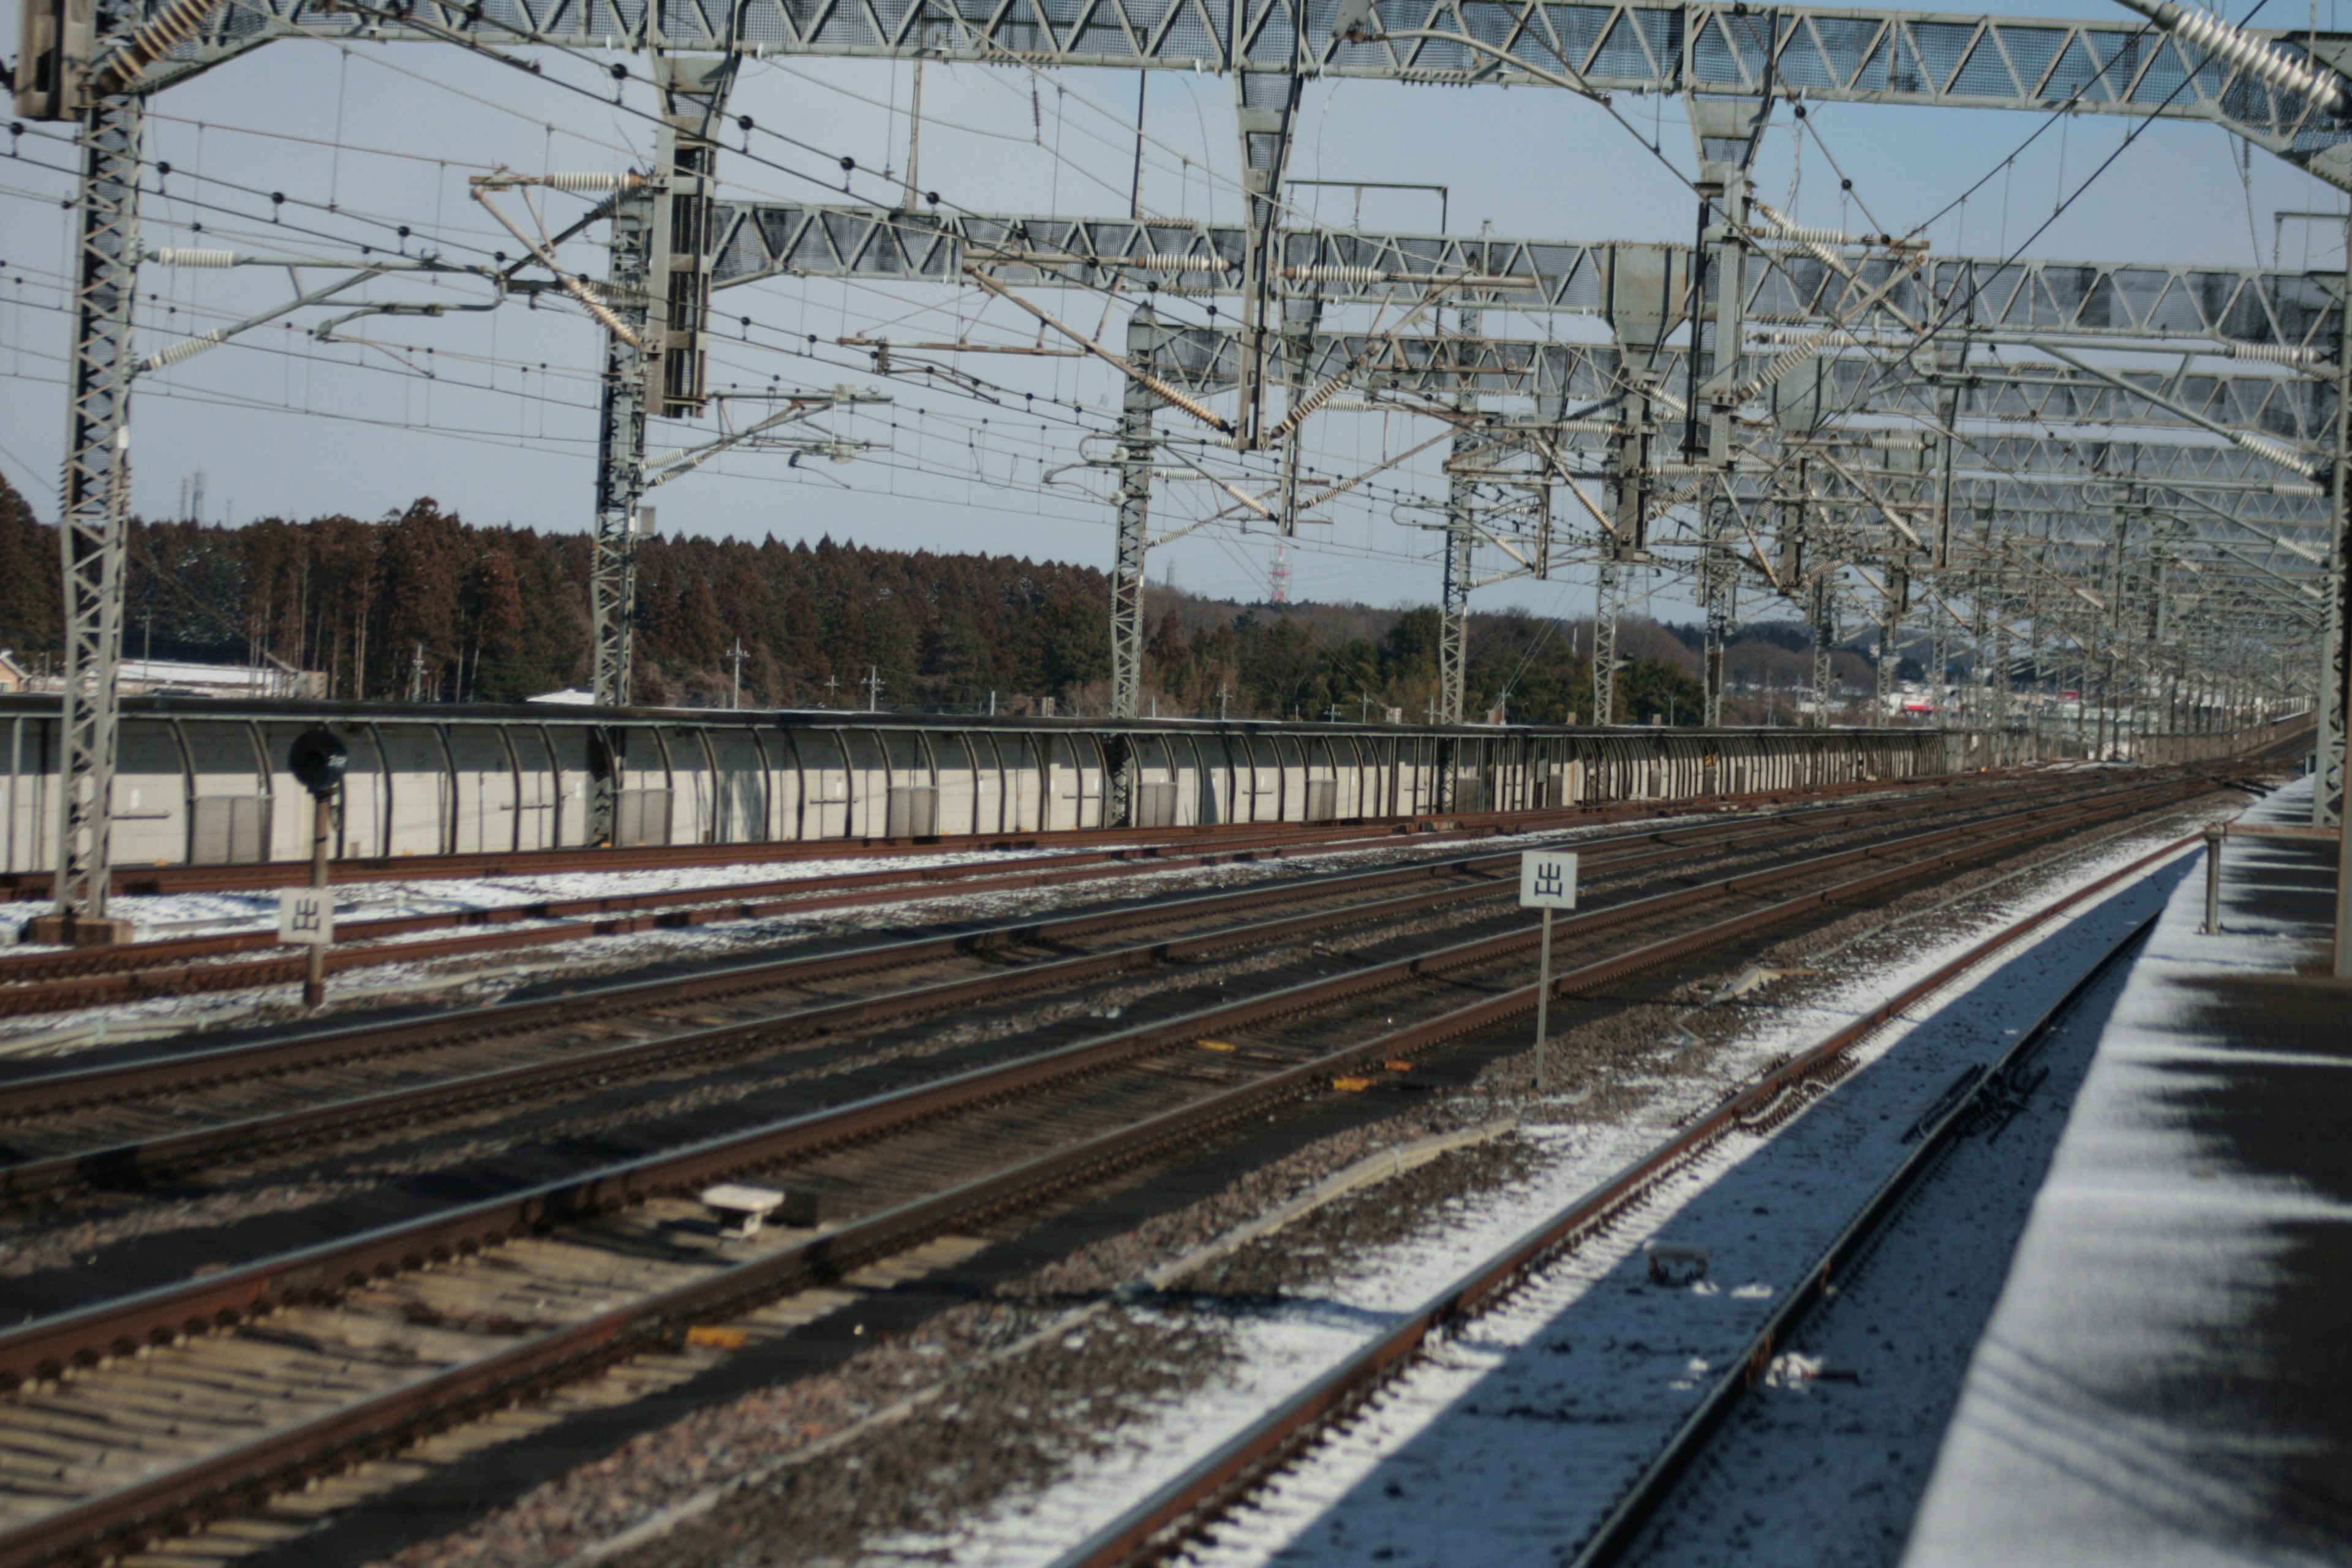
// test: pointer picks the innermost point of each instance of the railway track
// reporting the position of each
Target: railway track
(1107, 841)
(59, 979)
(112, 1128)
(138, 1416)
(1156, 1528)
(1648, 1495)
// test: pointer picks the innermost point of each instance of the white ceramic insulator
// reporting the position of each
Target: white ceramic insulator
(2277, 353)
(2256, 58)
(195, 257)
(184, 349)
(2278, 452)
(1770, 376)
(1176, 263)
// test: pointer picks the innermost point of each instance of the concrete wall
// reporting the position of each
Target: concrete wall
(430, 780)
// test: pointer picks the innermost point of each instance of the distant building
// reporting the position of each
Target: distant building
(177, 678)
(570, 697)
(13, 676)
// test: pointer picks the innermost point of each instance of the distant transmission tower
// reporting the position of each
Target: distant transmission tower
(1279, 578)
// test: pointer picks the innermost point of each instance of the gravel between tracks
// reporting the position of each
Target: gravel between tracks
(1016, 1424)
(483, 979)
(34, 1241)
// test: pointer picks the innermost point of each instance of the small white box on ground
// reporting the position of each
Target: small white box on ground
(745, 1206)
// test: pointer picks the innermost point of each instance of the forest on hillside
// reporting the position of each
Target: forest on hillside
(423, 602)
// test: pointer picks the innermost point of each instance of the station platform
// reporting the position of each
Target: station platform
(2168, 1375)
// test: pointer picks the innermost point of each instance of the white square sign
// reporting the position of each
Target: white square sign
(1548, 880)
(306, 915)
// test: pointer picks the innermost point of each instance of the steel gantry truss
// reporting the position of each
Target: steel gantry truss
(2124, 67)
(1764, 409)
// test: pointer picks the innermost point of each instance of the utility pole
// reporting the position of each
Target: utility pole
(1824, 619)
(2331, 794)
(1139, 402)
(1608, 596)
(1265, 105)
(660, 293)
(95, 495)
(1454, 602)
(735, 689)
(1137, 405)
(914, 187)
(1890, 630)
(1646, 302)
(416, 675)
(873, 688)
(629, 364)
(1718, 578)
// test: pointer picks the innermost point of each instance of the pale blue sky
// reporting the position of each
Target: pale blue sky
(415, 119)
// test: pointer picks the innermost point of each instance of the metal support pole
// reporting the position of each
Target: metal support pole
(660, 290)
(1453, 604)
(1543, 1009)
(1717, 577)
(2339, 679)
(2214, 833)
(621, 444)
(314, 972)
(1267, 103)
(1607, 600)
(1135, 443)
(1890, 627)
(1824, 621)
(1144, 337)
(96, 498)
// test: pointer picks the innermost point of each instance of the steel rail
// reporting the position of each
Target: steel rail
(46, 1349)
(33, 1095)
(57, 981)
(1161, 1523)
(50, 1346)
(114, 1165)
(1641, 1501)
(843, 890)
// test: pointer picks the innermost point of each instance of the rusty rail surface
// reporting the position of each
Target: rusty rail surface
(346, 1042)
(114, 1165)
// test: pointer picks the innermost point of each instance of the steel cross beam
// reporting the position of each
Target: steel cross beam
(2293, 313)
(2123, 66)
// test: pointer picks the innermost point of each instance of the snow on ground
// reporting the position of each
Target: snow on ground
(1507, 1442)
(2112, 1413)
(180, 914)
(1822, 1465)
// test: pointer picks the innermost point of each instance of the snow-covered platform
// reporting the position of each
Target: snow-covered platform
(2167, 1376)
